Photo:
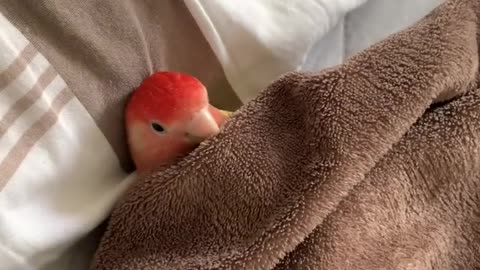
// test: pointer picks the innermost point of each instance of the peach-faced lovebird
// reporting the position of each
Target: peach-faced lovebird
(167, 116)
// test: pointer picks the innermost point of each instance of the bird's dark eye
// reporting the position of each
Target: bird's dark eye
(157, 127)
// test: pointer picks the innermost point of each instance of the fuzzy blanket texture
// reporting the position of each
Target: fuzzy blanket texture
(373, 164)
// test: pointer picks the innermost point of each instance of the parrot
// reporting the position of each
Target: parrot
(167, 116)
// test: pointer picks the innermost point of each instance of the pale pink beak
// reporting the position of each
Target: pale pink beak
(201, 127)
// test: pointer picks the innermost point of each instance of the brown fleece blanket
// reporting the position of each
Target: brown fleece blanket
(349, 168)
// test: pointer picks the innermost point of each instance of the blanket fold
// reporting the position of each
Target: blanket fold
(348, 168)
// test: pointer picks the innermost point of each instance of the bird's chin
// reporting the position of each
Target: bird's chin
(194, 141)
(161, 159)
(147, 169)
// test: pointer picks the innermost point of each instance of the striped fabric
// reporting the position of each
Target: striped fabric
(59, 176)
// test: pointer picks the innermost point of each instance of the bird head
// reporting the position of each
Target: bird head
(167, 116)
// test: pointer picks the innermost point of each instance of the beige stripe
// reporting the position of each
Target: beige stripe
(27, 100)
(108, 84)
(18, 153)
(18, 65)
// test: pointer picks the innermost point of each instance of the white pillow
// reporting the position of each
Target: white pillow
(256, 41)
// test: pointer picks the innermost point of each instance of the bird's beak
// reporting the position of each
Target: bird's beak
(202, 126)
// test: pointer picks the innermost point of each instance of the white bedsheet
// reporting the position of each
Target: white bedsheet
(256, 41)
(59, 176)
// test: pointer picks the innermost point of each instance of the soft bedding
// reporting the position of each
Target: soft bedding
(67, 68)
(371, 164)
(66, 72)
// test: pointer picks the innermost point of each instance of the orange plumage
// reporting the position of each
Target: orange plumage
(167, 116)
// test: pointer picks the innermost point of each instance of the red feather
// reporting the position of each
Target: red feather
(167, 96)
